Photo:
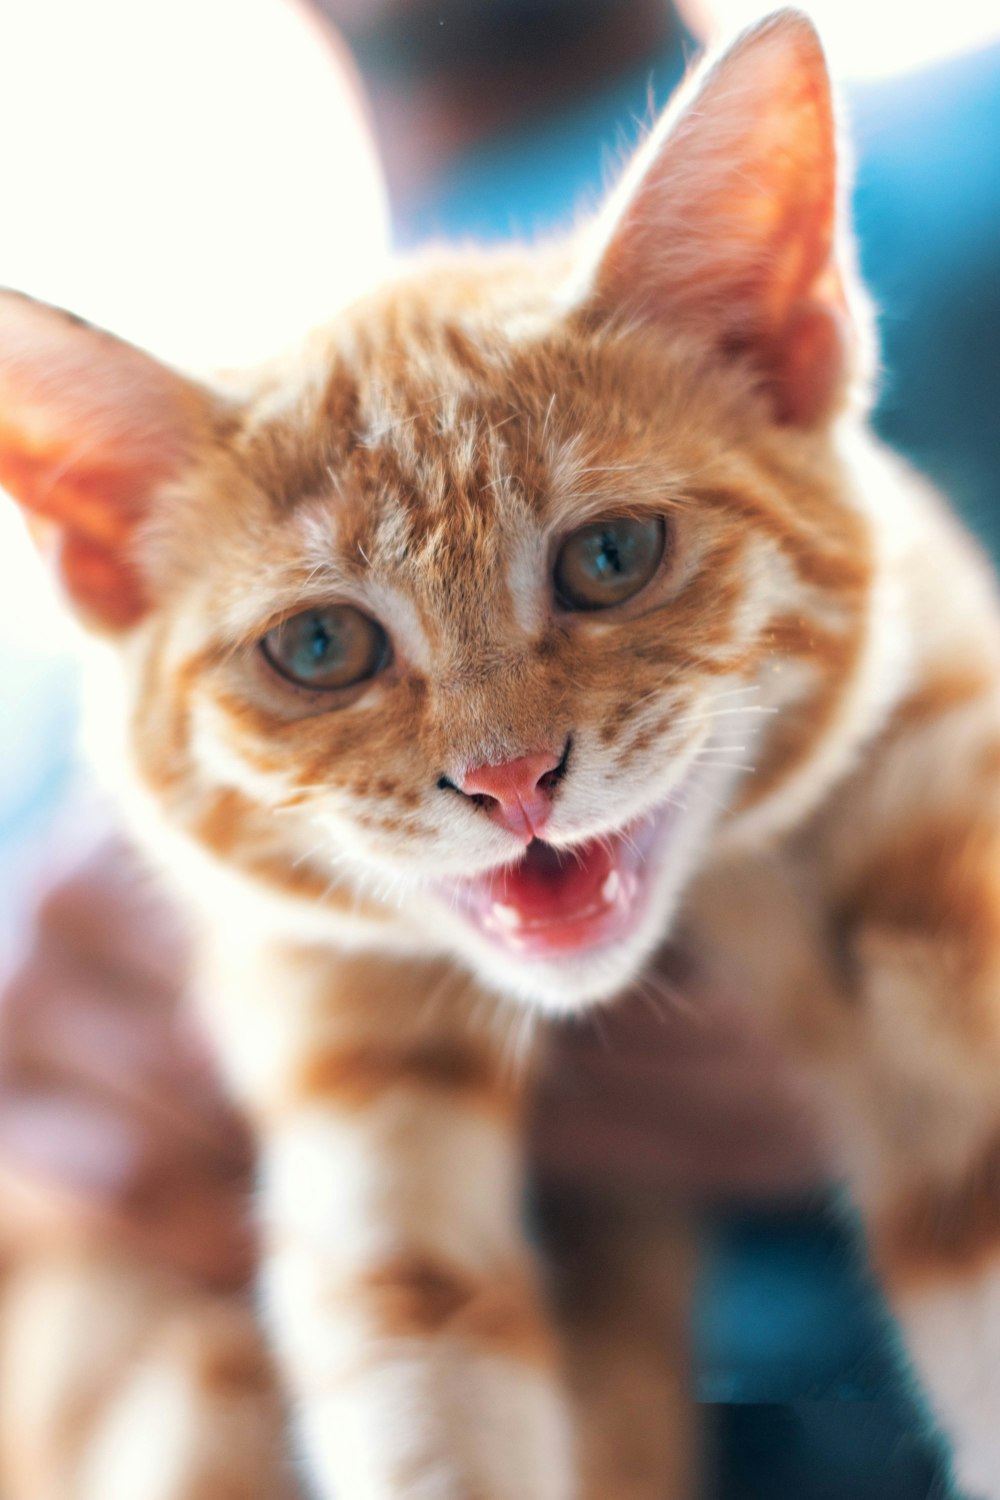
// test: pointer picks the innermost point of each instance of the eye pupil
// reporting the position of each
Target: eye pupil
(320, 642)
(609, 558)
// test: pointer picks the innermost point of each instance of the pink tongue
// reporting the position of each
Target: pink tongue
(553, 885)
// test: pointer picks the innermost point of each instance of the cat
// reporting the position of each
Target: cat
(444, 649)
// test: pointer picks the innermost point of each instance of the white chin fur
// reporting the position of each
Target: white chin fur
(570, 982)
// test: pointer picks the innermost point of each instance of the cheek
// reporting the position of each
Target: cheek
(646, 740)
(362, 757)
(621, 716)
(619, 682)
(385, 782)
(387, 819)
(646, 733)
(386, 801)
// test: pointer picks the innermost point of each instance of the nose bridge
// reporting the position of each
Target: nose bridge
(496, 712)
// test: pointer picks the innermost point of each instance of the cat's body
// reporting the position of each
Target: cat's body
(584, 550)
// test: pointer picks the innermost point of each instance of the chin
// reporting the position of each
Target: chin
(573, 924)
(577, 981)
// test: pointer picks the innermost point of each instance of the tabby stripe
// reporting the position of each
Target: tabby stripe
(415, 1296)
(937, 697)
(336, 1323)
(938, 880)
(800, 729)
(414, 1168)
(942, 1231)
(230, 825)
(846, 571)
(353, 1077)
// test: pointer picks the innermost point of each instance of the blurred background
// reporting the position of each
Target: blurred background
(189, 175)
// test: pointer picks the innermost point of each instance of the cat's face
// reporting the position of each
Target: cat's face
(482, 608)
(434, 515)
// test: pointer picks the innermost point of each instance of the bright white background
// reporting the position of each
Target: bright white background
(197, 176)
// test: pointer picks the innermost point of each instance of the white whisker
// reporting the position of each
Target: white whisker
(307, 855)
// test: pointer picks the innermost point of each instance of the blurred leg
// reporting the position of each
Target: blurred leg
(622, 1267)
(122, 1382)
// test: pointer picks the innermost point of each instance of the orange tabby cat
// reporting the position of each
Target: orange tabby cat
(443, 649)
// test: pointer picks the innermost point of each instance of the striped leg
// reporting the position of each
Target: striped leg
(898, 1026)
(398, 1285)
(928, 1160)
(949, 1307)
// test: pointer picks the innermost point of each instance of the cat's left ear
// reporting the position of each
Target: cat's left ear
(726, 223)
(90, 429)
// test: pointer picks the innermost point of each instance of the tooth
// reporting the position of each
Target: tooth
(611, 887)
(507, 916)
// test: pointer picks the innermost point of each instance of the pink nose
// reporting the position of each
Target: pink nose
(518, 796)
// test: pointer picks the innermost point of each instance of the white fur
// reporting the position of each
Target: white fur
(422, 1418)
(158, 1407)
(440, 1423)
(953, 1330)
(409, 1170)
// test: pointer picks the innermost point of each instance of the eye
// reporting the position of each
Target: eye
(609, 561)
(327, 648)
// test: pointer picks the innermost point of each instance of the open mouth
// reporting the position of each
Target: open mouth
(570, 900)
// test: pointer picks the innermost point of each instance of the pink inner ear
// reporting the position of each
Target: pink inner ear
(101, 582)
(89, 428)
(810, 361)
(99, 501)
(94, 511)
(726, 222)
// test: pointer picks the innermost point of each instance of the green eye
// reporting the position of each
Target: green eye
(327, 648)
(607, 562)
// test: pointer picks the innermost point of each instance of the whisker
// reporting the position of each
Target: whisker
(307, 855)
(730, 765)
(630, 843)
(750, 687)
(667, 998)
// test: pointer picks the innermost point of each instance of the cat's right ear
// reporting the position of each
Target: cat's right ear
(91, 428)
(728, 226)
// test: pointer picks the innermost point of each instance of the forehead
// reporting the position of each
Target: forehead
(412, 468)
(438, 435)
(415, 416)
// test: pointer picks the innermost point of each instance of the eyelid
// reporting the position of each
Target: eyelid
(247, 635)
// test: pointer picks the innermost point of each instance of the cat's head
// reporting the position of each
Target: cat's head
(498, 597)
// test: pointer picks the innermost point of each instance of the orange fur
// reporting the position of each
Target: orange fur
(802, 702)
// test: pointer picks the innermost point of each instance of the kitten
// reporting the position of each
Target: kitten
(443, 649)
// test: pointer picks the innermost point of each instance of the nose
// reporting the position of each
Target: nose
(518, 793)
